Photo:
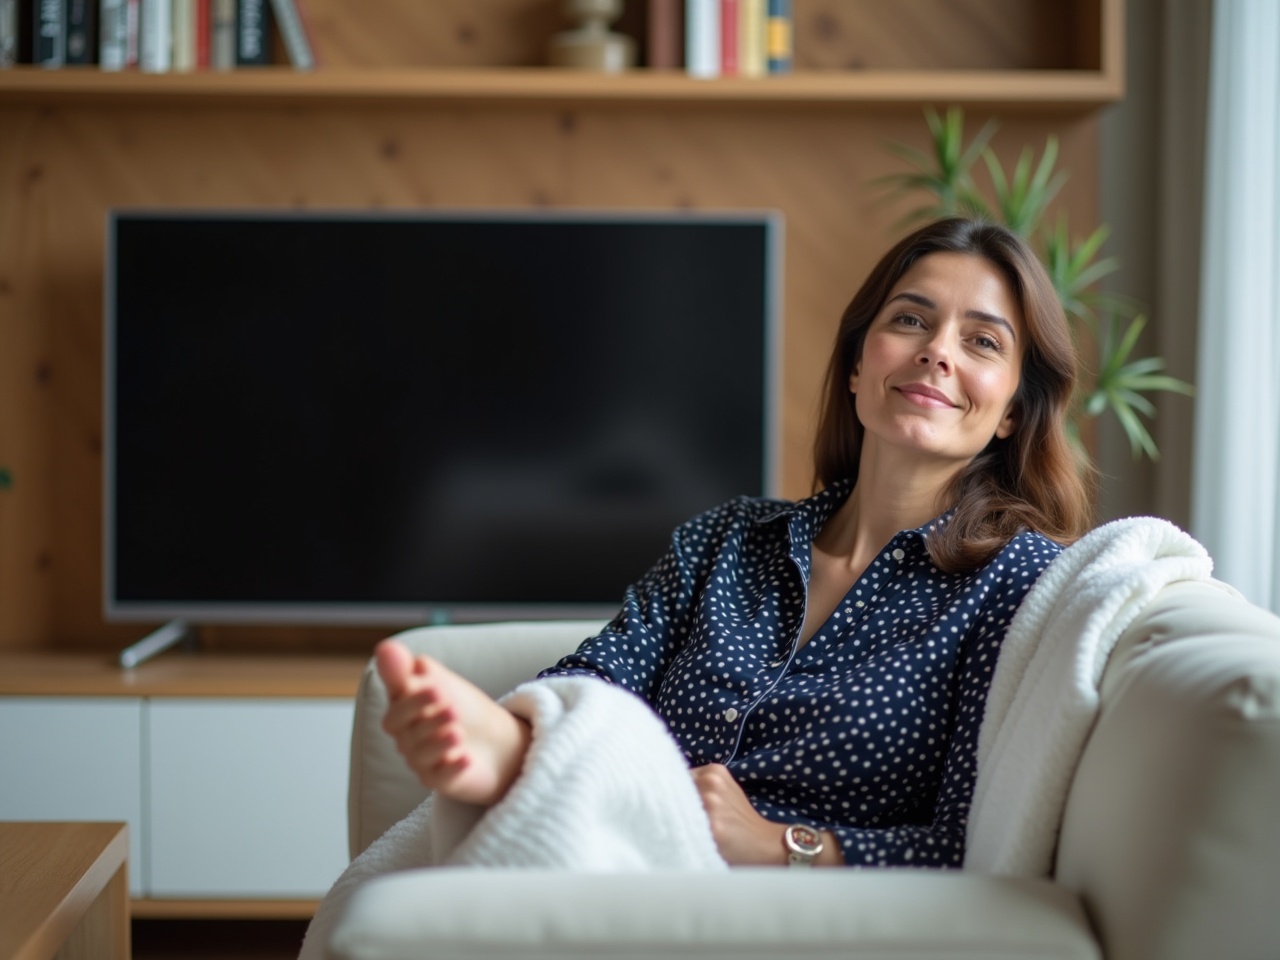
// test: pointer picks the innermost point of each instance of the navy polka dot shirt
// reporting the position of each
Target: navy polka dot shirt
(870, 729)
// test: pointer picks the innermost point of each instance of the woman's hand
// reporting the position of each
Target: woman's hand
(743, 836)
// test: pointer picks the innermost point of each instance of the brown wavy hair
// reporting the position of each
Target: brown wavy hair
(1032, 480)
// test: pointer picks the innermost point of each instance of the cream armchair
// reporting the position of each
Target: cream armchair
(1169, 849)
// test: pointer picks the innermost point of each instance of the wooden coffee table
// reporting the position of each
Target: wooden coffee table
(64, 891)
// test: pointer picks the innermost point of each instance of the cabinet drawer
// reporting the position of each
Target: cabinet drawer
(74, 758)
(247, 797)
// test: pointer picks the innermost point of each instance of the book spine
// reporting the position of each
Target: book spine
(133, 28)
(203, 27)
(253, 28)
(778, 36)
(665, 37)
(82, 29)
(730, 11)
(49, 33)
(182, 22)
(751, 40)
(294, 33)
(155, 36)
(702, 38)
(8, 33)
(113, 35)
(26, 30)
(222, 34)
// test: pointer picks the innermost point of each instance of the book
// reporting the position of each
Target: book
(253, 29)
(778, 36)
(133, 24)
(183, 24)
(664, 27)
(730, 11)
(82, 31)
(155, 36)
(49, 33)
(222, 34)
(8, 33)
(751, 39)
(113, 35)
(203, 36)
(293, 30)
(702, 38)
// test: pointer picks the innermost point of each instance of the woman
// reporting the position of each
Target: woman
(824, 664)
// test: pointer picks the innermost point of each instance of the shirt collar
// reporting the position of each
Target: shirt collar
(813, 513)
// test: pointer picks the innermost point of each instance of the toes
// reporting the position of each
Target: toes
(395, 664)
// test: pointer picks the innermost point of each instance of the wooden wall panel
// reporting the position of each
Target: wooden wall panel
(65, 167)
(829, 34)
(937, 34)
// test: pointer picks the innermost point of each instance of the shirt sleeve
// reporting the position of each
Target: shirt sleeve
(939, 840)
(657, 613)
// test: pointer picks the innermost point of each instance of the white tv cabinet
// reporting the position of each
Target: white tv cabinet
(230, 771)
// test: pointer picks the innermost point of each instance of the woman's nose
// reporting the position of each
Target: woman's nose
(934, 352)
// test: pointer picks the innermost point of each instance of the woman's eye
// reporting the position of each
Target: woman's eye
(987, 342)
(908, 320)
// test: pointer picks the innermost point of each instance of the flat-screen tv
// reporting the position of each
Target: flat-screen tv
(377, 417)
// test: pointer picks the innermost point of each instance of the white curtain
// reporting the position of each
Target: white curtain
(1235, 509)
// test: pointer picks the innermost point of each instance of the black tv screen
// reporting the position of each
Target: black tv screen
(396, 417)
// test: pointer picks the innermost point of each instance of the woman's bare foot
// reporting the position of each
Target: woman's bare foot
(457, 739)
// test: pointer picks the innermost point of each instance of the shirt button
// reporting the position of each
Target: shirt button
(898, 554)
(731, 714)
(860, 603)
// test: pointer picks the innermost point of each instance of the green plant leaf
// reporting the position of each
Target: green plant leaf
(945, 172)
(1023, 197)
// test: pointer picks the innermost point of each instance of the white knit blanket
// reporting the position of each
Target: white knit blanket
(1044, 693)
(604, 789)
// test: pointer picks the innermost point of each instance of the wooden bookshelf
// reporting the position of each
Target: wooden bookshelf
(1002, 53)
(1025, 89)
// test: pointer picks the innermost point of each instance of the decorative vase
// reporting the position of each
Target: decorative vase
(591, 45)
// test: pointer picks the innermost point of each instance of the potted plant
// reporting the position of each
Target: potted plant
(1106, 326)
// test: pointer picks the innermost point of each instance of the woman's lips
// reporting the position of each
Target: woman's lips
(925, 395)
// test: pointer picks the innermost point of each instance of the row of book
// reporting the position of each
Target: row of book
(720, 38)
(155, 36)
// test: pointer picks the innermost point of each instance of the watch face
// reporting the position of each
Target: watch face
(804, 837)
(804, 840)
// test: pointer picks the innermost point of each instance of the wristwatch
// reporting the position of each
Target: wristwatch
(803, 845)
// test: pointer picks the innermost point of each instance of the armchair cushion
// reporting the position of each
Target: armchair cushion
(744, 914)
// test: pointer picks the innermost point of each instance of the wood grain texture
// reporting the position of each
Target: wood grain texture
(63, 884)
(829, 34)
(46, 674)
(72, 164)
(1031, 91)
(945, 34)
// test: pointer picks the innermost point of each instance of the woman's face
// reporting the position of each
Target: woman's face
(941, 361)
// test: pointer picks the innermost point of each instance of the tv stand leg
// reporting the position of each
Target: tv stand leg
(171, 634)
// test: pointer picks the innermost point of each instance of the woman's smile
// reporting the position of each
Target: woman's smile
(925, 395)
